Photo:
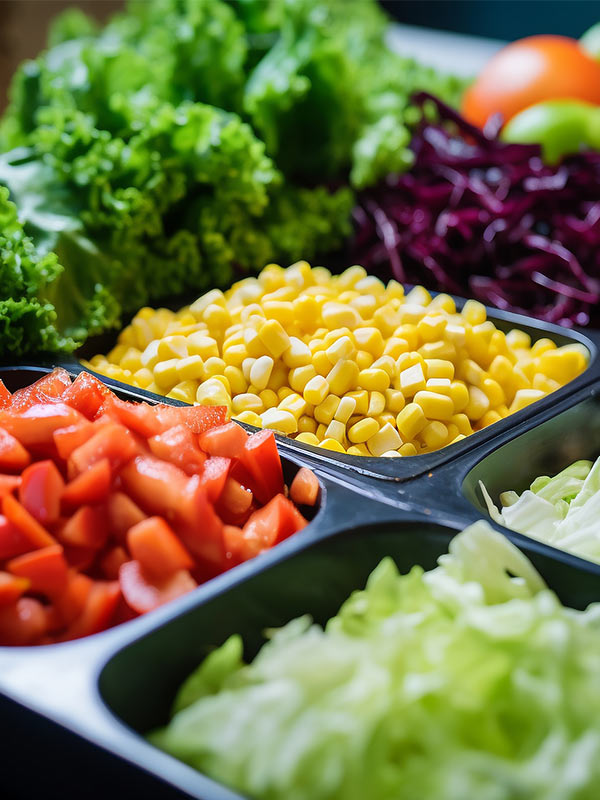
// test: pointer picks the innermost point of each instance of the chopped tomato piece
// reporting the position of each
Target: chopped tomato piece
(40, 491)
(178, 445)
(214, 476)
(225, 440)
(90, 486)
(112, 561)
(5, 395)
(100, 605)
(199, 526)
(72, 437)
(150, 420)
(144, 593)
(159, 551)
(271, 524)
(156, 485)
(47, 388)
(233, 538)
(12, 541)
(122, 514)
(23, 622)
(45, 569)
(21, 519)
(71, 602)
(86, 528)
(235, 498)
(35, 426)
(304, 489)
(113, 442)
(86, 394)
(8, 484)
(261, 459)
(80, 558)
(13, 456)
(11, 587)
(197, 418)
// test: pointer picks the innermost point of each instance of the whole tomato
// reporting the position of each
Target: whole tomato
(529, 71)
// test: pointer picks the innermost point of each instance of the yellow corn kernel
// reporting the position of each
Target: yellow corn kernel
(394, 401)
(184, 391)
(306, 312)
(321, 428)
(374, 380)
(386, 438)
(253, 343)
(246, 367)
(435, 406)
(470, 372)
(546, 385)
(281, 310)
(407, 449)
(165, 373)
(336, 315)
(307, 424)
(363, 430)
(463, 423)
(443, 302)
(438, 368)
(376, 404)
(358, 450)
(316, 390)
(452, 431)
(200, 344)
(332, 444)
(345, 409)
(142, 333)
(386, 418)
(249, 417)
(523, 398)
(474, 312)
(411, 421)
(143, 378)
(351, 276)
(247, 402)
(431, 328)
(294, 403)
(284, 392)
(321, 363)
(460, 395)
(222, 379)
(489, 418)
(214, 297)
(279, 420)
(191, 368)
(269, 398)
(300, 376)
(131, 359)
(394, 347)
(442, 350)
(297, 355)
(493, 391)
(434, 434)
(95, 362)
(214, 366)
(387, 319)
(370, 340)
(563, 364)
(418, 295)
(363, 359)
(279, 377)
(362, 401)
(412, 380)
(387, 364)
(235, 354)
(343, 377)
(272, 277)
(336, 430)
(331, 337)
(518, 339)
(501, 369)
(325, 411)
(260, 372)
(212, 393)
(236, 379)
(149, 358)
(365, 305)
(274, 338)
(341, 349)
(307, 437)
(455, 334)
(391, 454)
(440, 386)
(478, 403)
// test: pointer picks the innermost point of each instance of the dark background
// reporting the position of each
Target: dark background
(23, 23)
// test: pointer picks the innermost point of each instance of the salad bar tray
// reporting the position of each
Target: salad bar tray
(83, 707)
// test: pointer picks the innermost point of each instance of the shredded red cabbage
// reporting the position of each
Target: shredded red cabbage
(478, 217)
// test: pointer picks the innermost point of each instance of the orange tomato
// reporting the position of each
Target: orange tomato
(529, 71)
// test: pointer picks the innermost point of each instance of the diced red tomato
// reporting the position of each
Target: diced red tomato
(304, 489)
(49, 387)
(86, 528)
(21, 519)
(156, 485)
(91, 486)
(154, 544)
(235, 498)
(214, 476)
(86, 394)
(46, 570)
(72, 437)
(23, 622)
(40, 491)
(144, 593)
(198, 524)
(35, 426)
(100, 605)
(178, 445)
(225, 440)
(113, 442)
(12, 587)
(150, 420)
(12, 541)
(71, 602)
(13, 456)
(5, 395)
(112, 561)
(8, 484)
(80, 558)
(261, 459)
(233, 538)
(122, 514)
(271, 524)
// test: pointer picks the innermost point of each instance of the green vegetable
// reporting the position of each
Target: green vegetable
(184, 144)
(562, 511)
(590, 41)
(561, 127)
(459, 683)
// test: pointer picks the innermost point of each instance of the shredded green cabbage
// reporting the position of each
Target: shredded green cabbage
(468, 681)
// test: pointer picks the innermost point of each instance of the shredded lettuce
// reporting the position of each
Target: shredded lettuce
(468, 681)
(563, 510)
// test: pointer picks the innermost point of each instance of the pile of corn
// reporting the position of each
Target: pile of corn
(341, 361)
